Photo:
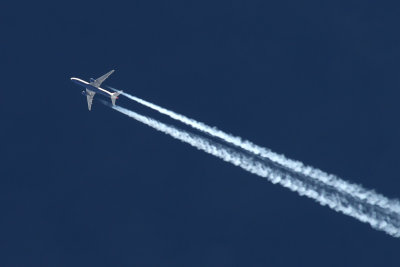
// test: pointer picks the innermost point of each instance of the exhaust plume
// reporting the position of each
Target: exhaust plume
(358, 191)
(378, 217)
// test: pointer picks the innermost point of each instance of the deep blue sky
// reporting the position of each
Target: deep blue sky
(316, 81)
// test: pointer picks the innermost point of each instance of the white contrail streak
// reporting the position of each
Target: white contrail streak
(358, 191)
(377, 217)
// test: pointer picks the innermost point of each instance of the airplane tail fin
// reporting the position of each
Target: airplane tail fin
(114, 96)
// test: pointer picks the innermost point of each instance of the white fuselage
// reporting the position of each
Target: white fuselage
(90, 87)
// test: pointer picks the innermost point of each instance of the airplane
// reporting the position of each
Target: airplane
(93, 87)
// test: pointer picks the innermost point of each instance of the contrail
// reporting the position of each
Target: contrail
(377, 217)
(358, 191)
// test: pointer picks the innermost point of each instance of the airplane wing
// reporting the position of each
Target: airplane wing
(99, 81)
(89, 97)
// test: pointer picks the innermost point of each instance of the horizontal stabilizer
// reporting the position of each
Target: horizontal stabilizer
(114, 96)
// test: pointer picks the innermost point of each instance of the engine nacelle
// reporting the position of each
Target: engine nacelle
(83, 92)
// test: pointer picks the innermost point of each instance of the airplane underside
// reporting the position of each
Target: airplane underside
(93, 88)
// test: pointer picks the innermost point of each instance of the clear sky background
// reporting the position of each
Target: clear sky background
(316, 81)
